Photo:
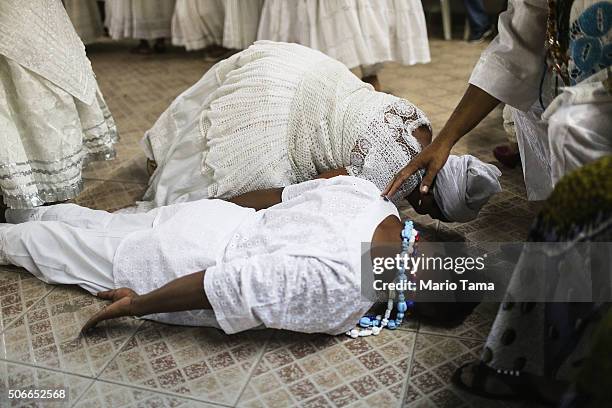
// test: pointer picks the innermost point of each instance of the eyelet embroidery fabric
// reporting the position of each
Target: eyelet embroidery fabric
(297, 264)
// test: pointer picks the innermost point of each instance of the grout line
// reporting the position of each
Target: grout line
(408, 371)
(114, 356)
(55, 370)
(151, 389)
(80, 396)
(409, 330)
(161, 391)
(126, 385)
(140, 183)
(252, 370)
(450, 336)
(27, 309)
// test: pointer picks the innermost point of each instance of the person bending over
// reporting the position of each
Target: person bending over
(279, 258)
(278, 114)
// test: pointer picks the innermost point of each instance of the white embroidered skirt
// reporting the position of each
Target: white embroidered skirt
(85, 18)
(355, 32)
(241, 23)
(231, 23)
(142, 19)
(47, 136)
(198, 24)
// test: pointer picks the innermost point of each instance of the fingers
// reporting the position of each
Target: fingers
(115, 294)
(91, 323)
(120, 308)
(430, 175)
(428, 179)
(107, 294)
(102, 315)
(400, 177)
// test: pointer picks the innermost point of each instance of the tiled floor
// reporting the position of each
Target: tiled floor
(139, 364)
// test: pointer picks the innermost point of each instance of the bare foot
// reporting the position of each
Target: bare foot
(373, 80)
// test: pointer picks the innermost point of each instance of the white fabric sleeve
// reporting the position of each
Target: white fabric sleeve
(510, 69)
(295, 190)
(297, 293)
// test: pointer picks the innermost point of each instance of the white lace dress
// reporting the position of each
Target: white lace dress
(355, 32)
(274, 115)
(141, 19)
(231, 23)
(53, 118)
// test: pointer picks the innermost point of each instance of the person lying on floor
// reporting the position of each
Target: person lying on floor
(280, 258)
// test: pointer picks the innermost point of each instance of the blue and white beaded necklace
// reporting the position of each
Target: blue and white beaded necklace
(372, 325)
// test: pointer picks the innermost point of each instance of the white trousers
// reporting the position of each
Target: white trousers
(575, 129)
(68, 244)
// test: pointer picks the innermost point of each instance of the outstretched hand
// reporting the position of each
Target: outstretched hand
(432, 158)
(123, 305)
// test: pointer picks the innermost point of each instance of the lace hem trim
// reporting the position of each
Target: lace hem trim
(42, 196)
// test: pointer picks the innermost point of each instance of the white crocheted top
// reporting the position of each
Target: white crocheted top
(284, 113)
(39, 36)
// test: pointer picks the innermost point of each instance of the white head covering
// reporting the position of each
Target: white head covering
(464, 185)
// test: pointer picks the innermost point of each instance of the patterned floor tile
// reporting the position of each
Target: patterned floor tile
(18, 291)
(475, 326)
(109, 195)
(325, 371)
(128, 166)
(48, 335)
(203, 363)
(20, 377)
(435, 360)
(107, 395)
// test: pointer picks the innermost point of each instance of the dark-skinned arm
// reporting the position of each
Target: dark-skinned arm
(333, 173)
(260, 199)
(184, 293)
(475, 105)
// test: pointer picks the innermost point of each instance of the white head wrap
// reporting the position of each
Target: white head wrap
(463, 187)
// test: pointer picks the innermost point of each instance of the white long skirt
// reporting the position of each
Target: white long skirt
(355, 32)
(241, 23)
(85, 18)
(46, 137)
(142, 19)
(198, 24)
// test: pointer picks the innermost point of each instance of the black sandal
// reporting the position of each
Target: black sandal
(520, 389)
